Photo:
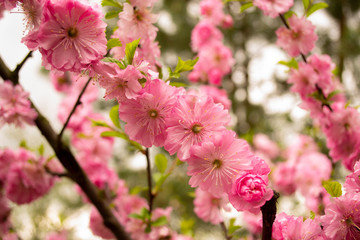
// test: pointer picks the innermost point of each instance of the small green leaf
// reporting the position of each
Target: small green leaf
(186, 226)
(183, 66)
(145, 213)
(160, 221)
(246, 6)
(23, 144)
(288, 14)
(315, 7)
(97, 123)
(112, 14)
(333, 188)
(232, 227)
(114, 60)
(111, 3)
(160, 181)
(191, 194)
(312, 215)
(41, 149)
(114, 134)
(136, 190)
(130, 50)
(306, 4)
(291, 64)
(114, 116)
(113, 42)
(137, 216)
(178, 84)
(161, 162)
(333, 93)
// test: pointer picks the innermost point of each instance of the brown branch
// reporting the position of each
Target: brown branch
(77, 103)
(69, 162)
(149, 180)
(224, 229)
(268, 211)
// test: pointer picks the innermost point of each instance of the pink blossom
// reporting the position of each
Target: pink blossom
(311, 170)
(124, 85)
(15, 107)
(342, 217)
(7, 157)
(304, 80)
(352, 183)
(212, 11)
(63, 235)
(218, 95)
(283, 178)
(5, 211)
(324, 67)
(253, 222)
(213, 165)
(300, 38)
(147, 116)
(97, 225)
(249, 189)
(266, 146)
(72, 35)
(194, 120)
(62, 81)
(8, 4)
(203, 35)
(207, 206)
(27, 179)
(273, 8)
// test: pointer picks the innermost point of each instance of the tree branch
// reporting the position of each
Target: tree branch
(268, 211)
(149, 179)
(67, 159)
(77, 103)
(223, 227)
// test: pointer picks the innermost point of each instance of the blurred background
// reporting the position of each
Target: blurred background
(261, 103)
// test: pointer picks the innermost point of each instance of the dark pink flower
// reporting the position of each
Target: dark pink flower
(72, 35)
(273, 8)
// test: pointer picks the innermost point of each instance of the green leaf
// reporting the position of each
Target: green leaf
(23, 144)
(136, 190)
(98, 123)
(114, 60)
(160, 221)
(315, 7)
(137, 216)
(232, 227)
(130, 50)
(113, 42)
(178, 84)
(291, 64)
(161, 162)
(186, 226)
(111, 3)
(306, 4)
(145, 213)
(183, 66)
(41, 150)
(191, 194)
(333, 93)
(333, 188)
(114, 134)
(160, 179)
(114, 116)
(288, 14)
(112, 14)
(246, 6)
(312, 215)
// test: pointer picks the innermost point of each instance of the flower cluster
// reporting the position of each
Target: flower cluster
(215, 59)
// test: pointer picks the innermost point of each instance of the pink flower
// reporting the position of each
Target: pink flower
(124, 85)
(213, 165)
(249, 190)
(63, 235)
(15, 107)
(203, 35)
(273, 8)
(342, 217)
(311, 170)
(7, 157)
(304, 80)
(194, 120)
(27, 179)
(212, 11)
(147, 116)
(72, 35)
(352, 183)
(207, 206)
(97, 226)
(300, 38)
(218, 95)
(266, 146)
(283, 178)
(253, 222)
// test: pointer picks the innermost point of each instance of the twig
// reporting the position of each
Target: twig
(77, 103)
(149, 179)
(223, 227)
(56, 174)
(268, 216)
(20, 65)
(69, 162)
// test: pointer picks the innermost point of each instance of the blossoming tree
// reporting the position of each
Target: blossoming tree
(189, 125)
